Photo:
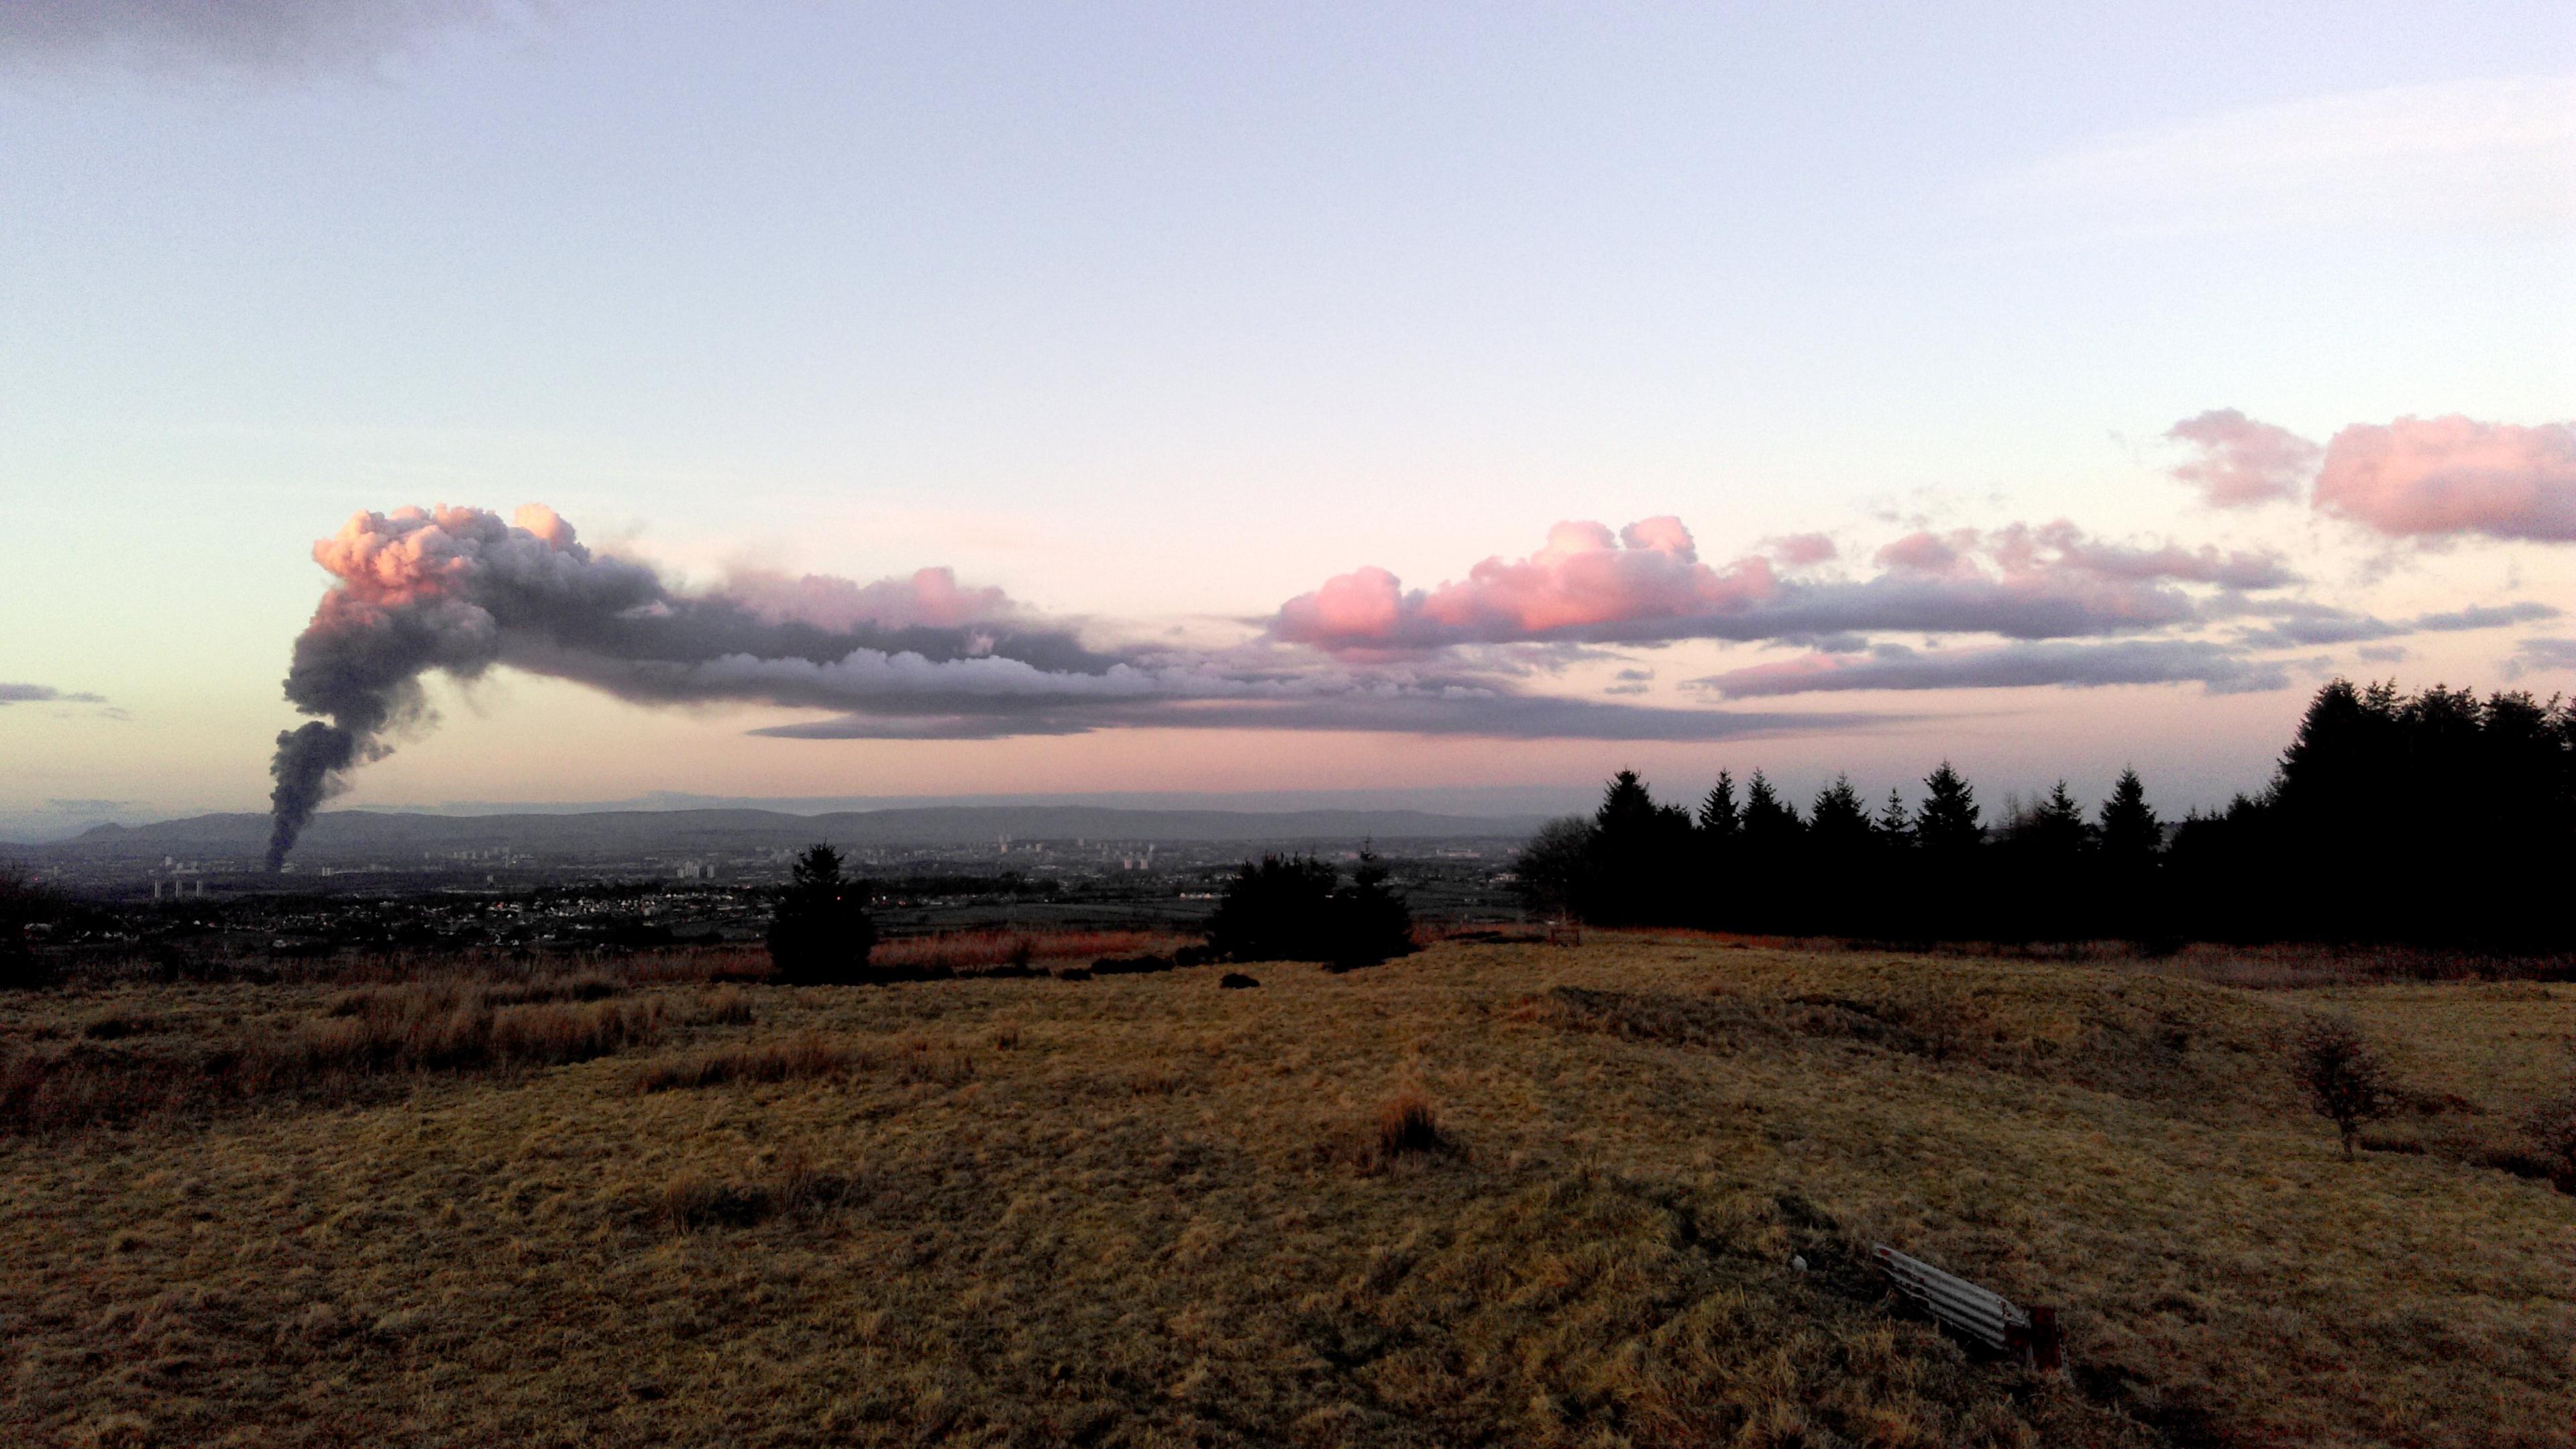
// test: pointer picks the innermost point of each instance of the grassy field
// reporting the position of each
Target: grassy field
(635, 1207)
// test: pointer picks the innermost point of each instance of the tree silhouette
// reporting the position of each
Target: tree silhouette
(821, 933)
(1947, 823)
(2054, 830)
(1640, 859)
(1295, 908)
(1277, 909)
(2438, 817)
(1838, 825)
(2130, 833)
(1895, 824)
(1371, 923)
(1719, 819)
(1551, 872)
(1771, 825)
(2345, 1080)
(1625, 804)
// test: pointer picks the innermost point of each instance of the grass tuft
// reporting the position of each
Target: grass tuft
(1406, 1126)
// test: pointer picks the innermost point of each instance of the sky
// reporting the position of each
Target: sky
(1442, 404)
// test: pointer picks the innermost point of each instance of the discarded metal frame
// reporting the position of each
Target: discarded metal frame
(1981, 1313)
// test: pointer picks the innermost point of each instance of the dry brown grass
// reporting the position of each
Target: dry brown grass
(126, 1065)
(808, 1055)
(971, 951)
(1126, 1228)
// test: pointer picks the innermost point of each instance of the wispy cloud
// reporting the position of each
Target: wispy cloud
(237, 34)
(2532, 656)
(44, 694)
(2479, 154)
(2303, 625)
(2216, 667)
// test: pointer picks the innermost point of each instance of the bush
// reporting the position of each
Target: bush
(821, 934)
(1295, 908)
(2345, 1080)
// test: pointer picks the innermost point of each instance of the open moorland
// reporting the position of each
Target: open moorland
(1496, 1192)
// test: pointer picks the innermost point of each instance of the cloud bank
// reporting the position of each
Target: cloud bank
(2419, 479)
(459, 590)
(1646, 585)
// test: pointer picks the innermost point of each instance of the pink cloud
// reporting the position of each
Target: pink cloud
(1929, 553)
(2437, 477)
(1800, 550)
(1646, 584)
(2019, 548)
(1585, 576)
(2242, 462)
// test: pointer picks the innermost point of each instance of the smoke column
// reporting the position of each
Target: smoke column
(917, 657)
(458, 589)
(397, 613)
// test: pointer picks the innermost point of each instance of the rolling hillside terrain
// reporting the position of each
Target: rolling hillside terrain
(1491, 1193)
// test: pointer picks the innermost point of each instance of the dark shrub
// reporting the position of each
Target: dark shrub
(1275, 910)
(1294, 908)
(1237, 981)
(2345, 1080)
(1370, 922)
(821, 934)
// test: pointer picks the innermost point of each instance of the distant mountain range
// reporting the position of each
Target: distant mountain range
(343, 834)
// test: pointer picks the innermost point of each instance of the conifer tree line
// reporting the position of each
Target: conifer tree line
(2437, 817)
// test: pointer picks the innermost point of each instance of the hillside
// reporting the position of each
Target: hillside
(1146, 1210)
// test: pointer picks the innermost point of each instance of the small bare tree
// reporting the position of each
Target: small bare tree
(2345, 1080)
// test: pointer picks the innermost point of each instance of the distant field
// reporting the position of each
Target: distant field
(639, 1205)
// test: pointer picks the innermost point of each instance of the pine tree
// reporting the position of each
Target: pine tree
(1838, 824)
(1641, 856)
(1770, 823)
(1624, 802)
(1947, 824)
(1895, 824)
(1719, 819)
(2055, 829)
(1371, 922)
(2131, 834)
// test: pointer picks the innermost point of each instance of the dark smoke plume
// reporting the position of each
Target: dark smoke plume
(460, 590)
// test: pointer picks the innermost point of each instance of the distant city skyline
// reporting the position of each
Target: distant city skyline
(1008, 403)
